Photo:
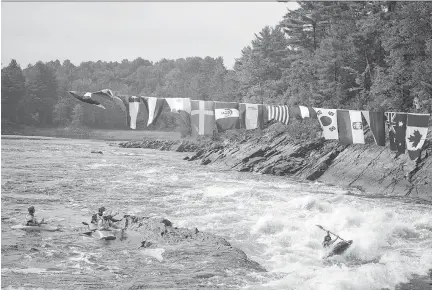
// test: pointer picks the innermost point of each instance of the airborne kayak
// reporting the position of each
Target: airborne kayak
(35, 228)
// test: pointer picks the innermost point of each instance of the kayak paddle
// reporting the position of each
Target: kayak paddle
(330, 232)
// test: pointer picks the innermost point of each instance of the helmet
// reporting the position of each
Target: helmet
(31, 208)
(102, 209)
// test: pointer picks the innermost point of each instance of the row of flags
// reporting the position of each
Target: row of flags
(406, 130)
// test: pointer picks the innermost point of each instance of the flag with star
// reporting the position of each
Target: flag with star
(417, 128)
(396, 123)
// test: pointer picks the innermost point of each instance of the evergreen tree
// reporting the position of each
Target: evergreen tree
(78, 116)
(42, 87)
(356, 55)
(12, 91)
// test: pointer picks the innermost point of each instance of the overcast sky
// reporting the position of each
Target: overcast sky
(113, 31)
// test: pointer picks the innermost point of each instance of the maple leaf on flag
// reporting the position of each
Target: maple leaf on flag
(415, 138)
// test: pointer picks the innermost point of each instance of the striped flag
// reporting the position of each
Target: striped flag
(350, 127)
(202, 118)
(278, 113)
(251, 116)
(328, 121)
(226, 116)
(301, 112)
(416, 131)
(155, 107)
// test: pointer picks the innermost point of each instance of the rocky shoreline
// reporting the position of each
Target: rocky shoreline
(375, 170)
(166, 145)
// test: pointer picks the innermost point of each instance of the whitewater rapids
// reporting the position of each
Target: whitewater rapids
(272, 219)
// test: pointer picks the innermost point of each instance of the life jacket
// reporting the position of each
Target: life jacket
(30, 219)
(95, 218)
(327, 240)
(103, 224)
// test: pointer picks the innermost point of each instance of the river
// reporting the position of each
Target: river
(272, 219)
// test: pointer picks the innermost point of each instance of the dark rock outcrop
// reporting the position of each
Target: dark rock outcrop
(160, 232)
(164, 145)
(370, 168)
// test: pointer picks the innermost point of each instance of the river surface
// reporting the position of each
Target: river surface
(272, 219)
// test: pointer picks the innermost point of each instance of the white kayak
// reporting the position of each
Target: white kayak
(103, 234)
(42, 227)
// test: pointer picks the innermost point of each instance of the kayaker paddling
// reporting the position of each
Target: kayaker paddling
(104, 224)
(31, 219)
(339, 248)
(97, 216)
(328, 240)
(106, 221)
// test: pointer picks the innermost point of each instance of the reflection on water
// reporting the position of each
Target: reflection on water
(272, 219)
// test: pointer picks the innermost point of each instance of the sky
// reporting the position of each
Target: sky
(113, 31)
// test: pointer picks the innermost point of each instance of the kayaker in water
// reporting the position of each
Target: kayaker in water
(31, 219)
(107, 221)
(97, 216)
(104, 223)
(328, 240)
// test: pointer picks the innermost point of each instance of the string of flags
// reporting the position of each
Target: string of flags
(407, 131)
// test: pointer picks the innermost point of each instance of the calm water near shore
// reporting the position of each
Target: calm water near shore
(272, 219)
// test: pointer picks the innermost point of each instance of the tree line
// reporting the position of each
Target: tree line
(346, 55)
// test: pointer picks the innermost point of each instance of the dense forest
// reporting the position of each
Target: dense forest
(345, 55)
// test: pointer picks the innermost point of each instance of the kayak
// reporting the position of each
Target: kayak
(42, 227)
(102, 234)
(339, 248)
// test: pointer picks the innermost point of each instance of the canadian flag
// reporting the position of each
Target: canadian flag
(416, 131)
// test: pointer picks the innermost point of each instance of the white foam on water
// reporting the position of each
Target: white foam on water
(273, 220)
(221, 192)
(101, 165)
(30, 270)
(154, 253)
(377, 259)
(82, 257)
(275, 224)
